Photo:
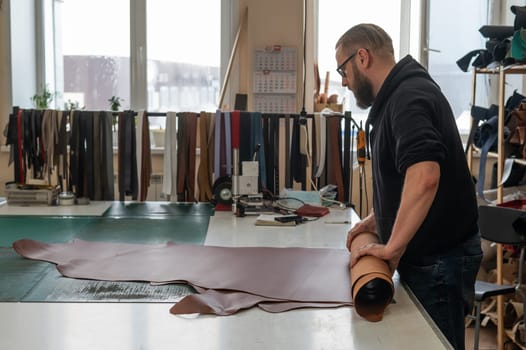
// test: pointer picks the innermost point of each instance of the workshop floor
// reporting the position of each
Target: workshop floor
(487, 338)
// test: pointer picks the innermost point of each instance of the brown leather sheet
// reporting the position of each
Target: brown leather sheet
(227, 279)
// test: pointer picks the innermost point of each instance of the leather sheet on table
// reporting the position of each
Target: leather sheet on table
(227, 279)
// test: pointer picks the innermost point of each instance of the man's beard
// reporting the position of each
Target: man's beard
(363, 91)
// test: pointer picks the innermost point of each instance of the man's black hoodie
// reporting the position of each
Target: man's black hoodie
(411, 121)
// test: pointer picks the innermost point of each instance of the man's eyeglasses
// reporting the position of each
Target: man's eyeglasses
(341, 67)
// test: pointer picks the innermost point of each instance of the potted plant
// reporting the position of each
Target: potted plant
(43, 99)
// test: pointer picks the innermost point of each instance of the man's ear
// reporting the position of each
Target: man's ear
(364, 56)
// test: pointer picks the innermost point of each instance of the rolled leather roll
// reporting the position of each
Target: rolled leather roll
(372, 287)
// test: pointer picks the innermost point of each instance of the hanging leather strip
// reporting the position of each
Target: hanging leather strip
(170, 157)
(182, 156)
(120, 155)
(89, 169)
(107, 182)
(334, 171)
(138, 149)
(20, 141)
(131, 136)
(74, 150)
(228, 144)
(298, 161)
(97, 157)
(192, 138)
(346, 156)
(288, 135)
(245, 148)
(38, 155)
(29, 141)
(222, 151)
(313, 145)
(204, 181)
(210, 117)
(267, 139)
(146, 156)
(128, 181)
(12, 140)
(47, 137)
(63, 142)
(256, 127)
(235, 129)
(186, 157)
(217, 145)
(281, 154)
(274, 141)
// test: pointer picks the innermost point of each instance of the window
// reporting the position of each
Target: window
(90, 62)
(335, 18)
(444, 50)
(92, 52)
(183, 55)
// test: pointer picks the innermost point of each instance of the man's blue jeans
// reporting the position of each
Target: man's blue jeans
(444, 285)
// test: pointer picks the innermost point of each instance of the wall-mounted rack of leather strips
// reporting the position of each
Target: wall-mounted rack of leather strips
(78, 140)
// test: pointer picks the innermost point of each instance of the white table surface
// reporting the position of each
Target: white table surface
(94, 208)
(150, 325)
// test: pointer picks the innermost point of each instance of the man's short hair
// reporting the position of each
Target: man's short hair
(369, 36)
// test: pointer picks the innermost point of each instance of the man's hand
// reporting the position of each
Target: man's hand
(380, 251)
(366, 225)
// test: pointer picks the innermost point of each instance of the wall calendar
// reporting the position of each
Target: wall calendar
(275, 79)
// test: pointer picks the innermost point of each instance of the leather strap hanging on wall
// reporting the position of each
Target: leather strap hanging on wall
(204, 173)
(97, 152)
(49, 136)
(312, 151)
(186, 157)
(228, 143)
(273, 177)
(146, 157)
(128, 182)
(14, 138)
(170, 157)
(245, 121)
(20, 141)
(256, 138)
(106, 157)
(63, 155)
(217, 145)
(222, 145)
(281, 154)
(334, 146)
(269, 146)
(31, 146)
(74, 149)
(346, 156)
(211, 144)
(87, 156)
(298, 161)
(288, 137)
